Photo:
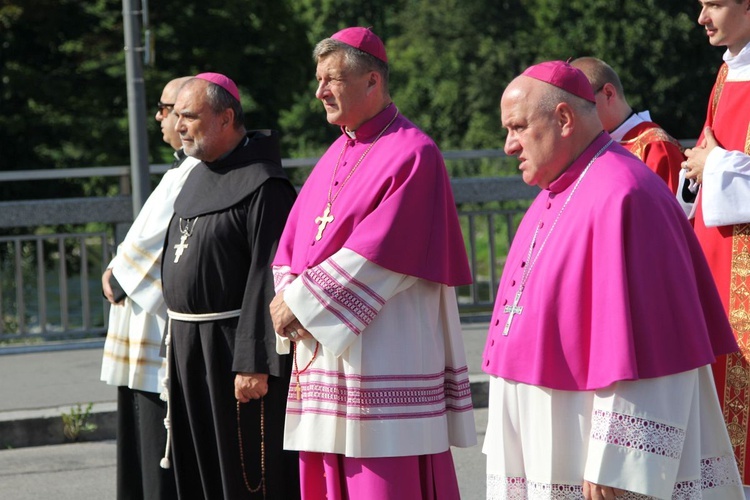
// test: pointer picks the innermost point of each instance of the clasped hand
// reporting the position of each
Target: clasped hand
(696, 157)
(285, 323)
(249, 386)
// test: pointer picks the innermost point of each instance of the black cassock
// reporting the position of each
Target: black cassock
(233, 212)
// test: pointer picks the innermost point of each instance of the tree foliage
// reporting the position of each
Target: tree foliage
(657, 47)
(63, 95)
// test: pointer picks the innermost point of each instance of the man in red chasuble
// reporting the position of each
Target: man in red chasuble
(720, 167)
(634, 130)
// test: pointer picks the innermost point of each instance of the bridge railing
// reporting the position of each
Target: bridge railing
(50, 288)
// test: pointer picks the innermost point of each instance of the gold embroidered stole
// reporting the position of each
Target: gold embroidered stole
(637, 144)
(737, 388)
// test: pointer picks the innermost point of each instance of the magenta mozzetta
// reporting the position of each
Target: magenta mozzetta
(397, 181)
(608, 319)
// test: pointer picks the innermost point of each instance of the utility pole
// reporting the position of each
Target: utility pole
(139, 166)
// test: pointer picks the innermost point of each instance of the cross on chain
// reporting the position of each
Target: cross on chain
(180, 247)
(323, 221)
(512, 310)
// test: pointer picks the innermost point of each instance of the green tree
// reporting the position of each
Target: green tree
(657, 47)
(64, 93)
(260, 45)
(306, 131)
(450, 64)
(63, 90)
(62, 101)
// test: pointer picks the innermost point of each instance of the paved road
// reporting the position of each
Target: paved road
(37, 387)
(86, 471)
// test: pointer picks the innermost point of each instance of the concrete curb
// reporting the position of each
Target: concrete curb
(19, 429)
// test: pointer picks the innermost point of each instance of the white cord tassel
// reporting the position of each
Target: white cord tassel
(165, 463)
(164, 394)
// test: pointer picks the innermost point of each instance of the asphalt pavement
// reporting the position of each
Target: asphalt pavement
(38, 461)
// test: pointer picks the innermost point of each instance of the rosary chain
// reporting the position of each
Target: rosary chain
(262, 483)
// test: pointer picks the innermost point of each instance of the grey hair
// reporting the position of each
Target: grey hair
(552, 96)
(219, 99)
(356, 60)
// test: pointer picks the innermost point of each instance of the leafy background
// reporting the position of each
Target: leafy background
(63, 95)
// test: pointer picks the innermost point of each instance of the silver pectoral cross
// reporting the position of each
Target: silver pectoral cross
(512, 310)
(180, 247)
(323, 221)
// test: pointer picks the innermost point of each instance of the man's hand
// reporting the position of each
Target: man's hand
(281, 315)
(106, 288)
(249, 386)
(592, 491)
(696, 157)
(294, 331)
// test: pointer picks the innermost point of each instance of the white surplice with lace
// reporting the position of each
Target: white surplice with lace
(656, 438)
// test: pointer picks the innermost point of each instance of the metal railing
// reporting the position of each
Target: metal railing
(51, 290)
(50, 286)
(53, 279)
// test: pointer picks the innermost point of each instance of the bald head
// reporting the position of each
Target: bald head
(548, 128)
(165, 114)
(173, 87)
(611, 104)
(598, 72)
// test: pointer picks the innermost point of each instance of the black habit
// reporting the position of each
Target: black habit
(234, 211)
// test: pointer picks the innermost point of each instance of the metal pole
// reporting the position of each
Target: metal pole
(136, 106)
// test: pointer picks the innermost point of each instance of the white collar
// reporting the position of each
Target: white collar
(633, 120)
(739, 65)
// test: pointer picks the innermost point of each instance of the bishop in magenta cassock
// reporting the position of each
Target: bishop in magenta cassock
(365, 271)
(606, 320)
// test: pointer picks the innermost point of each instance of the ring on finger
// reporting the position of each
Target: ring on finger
(293, 334)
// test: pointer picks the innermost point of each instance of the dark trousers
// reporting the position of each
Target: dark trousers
(141, 438)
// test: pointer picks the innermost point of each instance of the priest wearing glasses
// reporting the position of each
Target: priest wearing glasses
(365, 273)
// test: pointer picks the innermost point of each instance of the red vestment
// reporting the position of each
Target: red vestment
(727, 250)
(657, 149)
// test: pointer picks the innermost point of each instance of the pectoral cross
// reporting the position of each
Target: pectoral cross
(299, 391)
(513, 310)
(323, 221)
(180, 247)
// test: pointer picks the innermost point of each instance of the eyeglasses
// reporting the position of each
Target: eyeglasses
(600, 88)
(164, 105)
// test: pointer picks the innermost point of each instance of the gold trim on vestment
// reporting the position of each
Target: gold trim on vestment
(637, 144)
(137, 256)
(720, 79)
(737, 389)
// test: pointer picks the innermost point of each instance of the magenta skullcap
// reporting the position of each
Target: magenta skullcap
(564, 76)
(363, 39)
(222, 81)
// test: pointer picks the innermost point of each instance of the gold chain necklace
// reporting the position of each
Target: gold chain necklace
(325, 219)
